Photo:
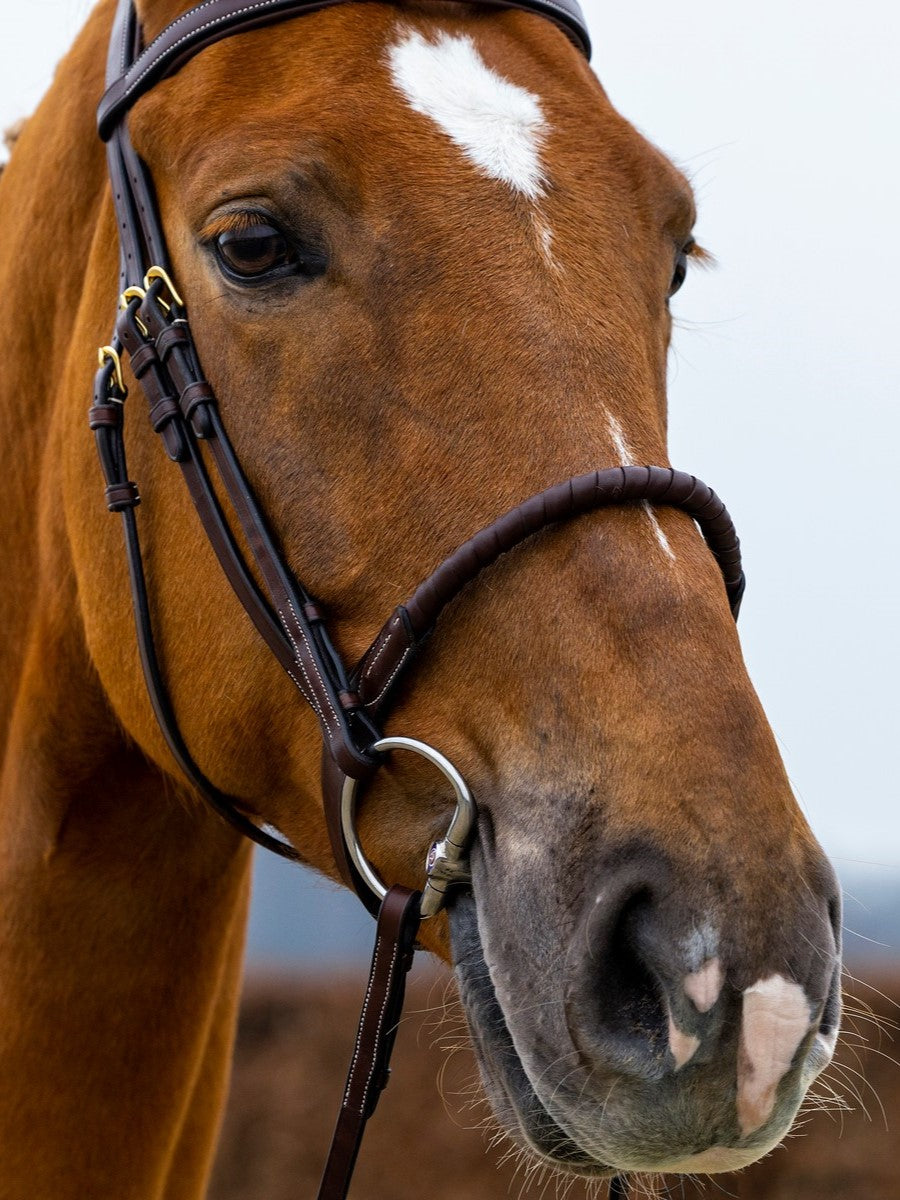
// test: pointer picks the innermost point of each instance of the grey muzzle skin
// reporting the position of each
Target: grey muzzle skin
(593, 1041)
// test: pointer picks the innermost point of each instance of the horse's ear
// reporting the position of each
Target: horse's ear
(155, 15)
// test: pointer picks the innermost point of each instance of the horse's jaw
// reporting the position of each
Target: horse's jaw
(598, 1119)
(509, 1089)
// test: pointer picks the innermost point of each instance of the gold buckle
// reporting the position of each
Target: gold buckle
(110, 354)
(134, 293)
(161, 273)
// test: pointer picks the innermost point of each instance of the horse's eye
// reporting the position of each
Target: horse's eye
(262, 252)
(681, 261)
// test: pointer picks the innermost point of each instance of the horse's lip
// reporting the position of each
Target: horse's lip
(537, 1128)
(519, 1107)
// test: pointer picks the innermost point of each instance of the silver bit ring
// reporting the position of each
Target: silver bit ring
(447, 860)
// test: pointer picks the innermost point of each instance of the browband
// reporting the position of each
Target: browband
(200, 27)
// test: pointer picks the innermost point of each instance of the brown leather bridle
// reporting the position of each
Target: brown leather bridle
(153, 330)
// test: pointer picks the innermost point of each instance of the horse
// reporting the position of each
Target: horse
(428, 268)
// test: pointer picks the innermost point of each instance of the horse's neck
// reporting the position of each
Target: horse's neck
(50, 194)
(121, 908)
(51, 199)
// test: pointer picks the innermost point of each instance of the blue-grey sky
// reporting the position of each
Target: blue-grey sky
(786, 365)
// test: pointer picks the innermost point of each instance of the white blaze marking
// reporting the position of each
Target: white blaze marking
(618, 439)
(544, 235)
(683, 1045)
(703, 986)
(776, 1018)
(498, 125)
(626, 459)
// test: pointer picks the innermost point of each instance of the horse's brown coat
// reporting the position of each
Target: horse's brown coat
(591, 690)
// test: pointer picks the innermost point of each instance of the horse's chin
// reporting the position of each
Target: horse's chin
(509, 1089)
(525, 1116)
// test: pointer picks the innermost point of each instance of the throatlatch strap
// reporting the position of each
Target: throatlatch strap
(398, 923)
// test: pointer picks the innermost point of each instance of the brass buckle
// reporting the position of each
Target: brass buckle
(107, 354)
(162, 273)
(134, 293)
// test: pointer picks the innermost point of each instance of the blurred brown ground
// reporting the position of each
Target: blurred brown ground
(293, 1046)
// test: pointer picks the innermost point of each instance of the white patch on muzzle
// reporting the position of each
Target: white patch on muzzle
(776, 1017)
(498, 125)
(682, 1045)
(703, 986)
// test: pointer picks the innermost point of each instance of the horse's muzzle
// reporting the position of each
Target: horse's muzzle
(658, 1036)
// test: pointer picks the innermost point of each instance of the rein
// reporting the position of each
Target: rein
(350, 703)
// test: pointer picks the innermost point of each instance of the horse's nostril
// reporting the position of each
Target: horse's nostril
(835, 918)
(628, 995)
(831, 1014)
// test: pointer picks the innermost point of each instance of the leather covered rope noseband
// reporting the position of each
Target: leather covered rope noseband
(349, 703)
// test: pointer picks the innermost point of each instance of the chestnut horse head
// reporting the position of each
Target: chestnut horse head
(428, 268)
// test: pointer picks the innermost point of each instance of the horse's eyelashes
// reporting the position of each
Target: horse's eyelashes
(681, 262)
(259, 252)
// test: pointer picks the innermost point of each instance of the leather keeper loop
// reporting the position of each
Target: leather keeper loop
(193, 402)
(313, 612)
(349, 701)
(122, 495)
(142, 358)
(101, 416)
(196, 393)
(170, 337)
(163, 411)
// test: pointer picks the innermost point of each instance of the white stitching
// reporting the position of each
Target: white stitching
(385, 638)
(308, 691)
(393, 675)
(324, 716)
(362, 1016)
(312, 659)
(248, 8)
(387, 996)
(123, 55)
(396, 946)
(310, 699)
(291, 636)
